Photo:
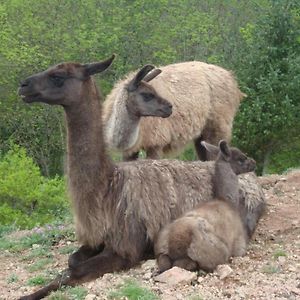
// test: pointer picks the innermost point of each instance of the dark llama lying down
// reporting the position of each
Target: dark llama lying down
(215, 231)
(122, 206)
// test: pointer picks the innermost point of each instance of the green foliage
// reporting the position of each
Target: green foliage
(197, 297)
(39, 265)
(38, 252)
(38, 280)
(131, 290)
(270, 76)
(286, 156)
(27, 198)
(43, 236)
(75, 293)
(13, 278)
(258, 40)
(67, 249)
(278, 253)
(140, 32)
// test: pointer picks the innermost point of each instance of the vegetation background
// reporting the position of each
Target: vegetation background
(258, 40)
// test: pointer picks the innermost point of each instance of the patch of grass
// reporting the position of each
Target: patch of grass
(6, 244)
(279, 252)
(46, 236)
(40, 264)
(77, 293)
(38, 252)
(38, 280)
(131, 290)
(6, 229)
(13, 278)
(69, 293)
(196, 297)
(67, 249)
(270, 269)
(58, 295)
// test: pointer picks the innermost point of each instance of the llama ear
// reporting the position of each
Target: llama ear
(224, 148)
(210, 148)
(134, 83)
(152, 75)
(94, 68)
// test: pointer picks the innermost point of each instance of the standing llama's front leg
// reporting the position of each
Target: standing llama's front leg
(153, 153)
(130, 157)
(201, 151)
(83, 253)
(105, 262)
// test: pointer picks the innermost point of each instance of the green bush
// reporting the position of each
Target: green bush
(268, 70)
(26, 197)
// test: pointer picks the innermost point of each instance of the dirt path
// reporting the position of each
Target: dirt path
(270, 270)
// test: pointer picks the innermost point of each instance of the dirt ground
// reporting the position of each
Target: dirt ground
(270, 270)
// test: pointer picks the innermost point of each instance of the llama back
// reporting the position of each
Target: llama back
(202, 96)
(152, 193)
(148, 192)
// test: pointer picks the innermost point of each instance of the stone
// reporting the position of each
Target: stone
(149, 265)
(176, 276)
(281, 260)
(147, 275)
(90, 297)
(223, 271)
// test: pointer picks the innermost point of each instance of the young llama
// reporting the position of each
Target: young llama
(122, 206)
(212, 233)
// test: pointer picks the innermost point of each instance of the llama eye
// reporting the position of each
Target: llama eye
(147, 97)
(57, 80)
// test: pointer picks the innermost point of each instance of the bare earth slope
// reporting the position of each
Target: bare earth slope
(270, 270)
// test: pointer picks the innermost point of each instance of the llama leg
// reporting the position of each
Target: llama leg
(130, 157)
(153, 153)
(105, 262)
(82, 254)
(186, 263)
(96, 266)
(164, 263)
(201, 151)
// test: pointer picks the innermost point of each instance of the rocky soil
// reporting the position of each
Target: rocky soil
(270, 270)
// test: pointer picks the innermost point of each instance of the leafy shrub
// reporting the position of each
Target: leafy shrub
(269, 74)
(26, 197)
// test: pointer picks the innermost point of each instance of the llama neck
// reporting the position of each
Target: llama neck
(122, 128)
(89, 167)
(225, 182)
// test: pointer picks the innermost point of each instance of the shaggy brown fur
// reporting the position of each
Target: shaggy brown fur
(136, 100)
(120, 205)
(209, 235)
(205, 99)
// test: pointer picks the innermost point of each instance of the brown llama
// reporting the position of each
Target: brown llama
(122, 206)
(205, 98)
(212, 233)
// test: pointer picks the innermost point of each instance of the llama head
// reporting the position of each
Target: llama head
(62, 84)
(143, 100)
(238, 161)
